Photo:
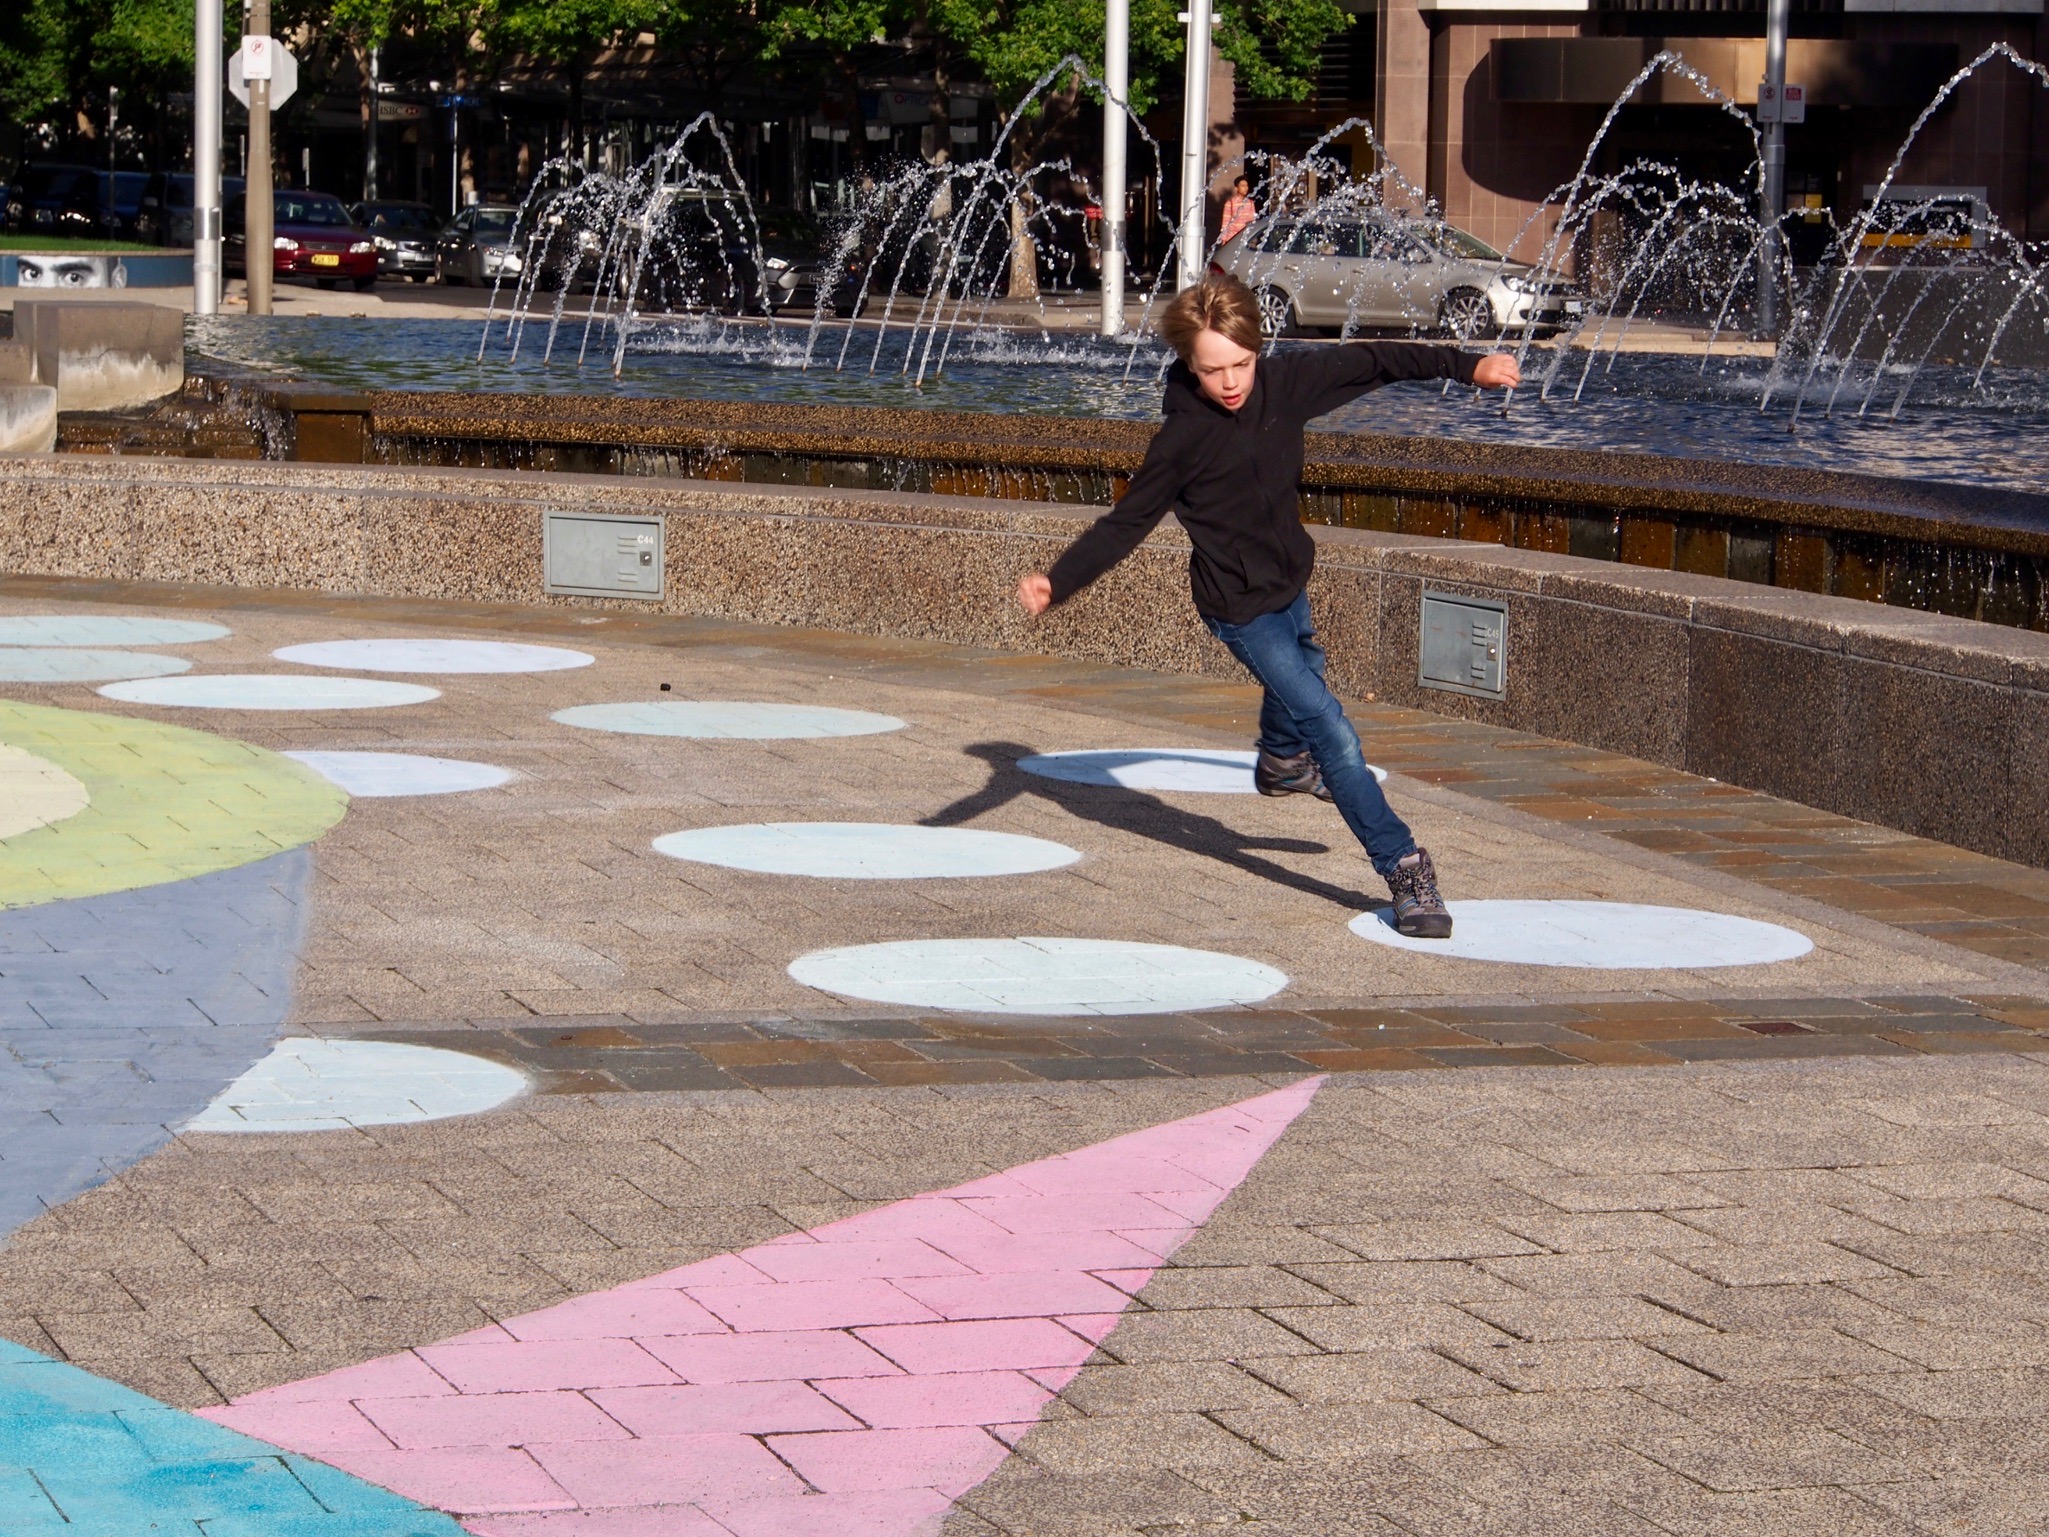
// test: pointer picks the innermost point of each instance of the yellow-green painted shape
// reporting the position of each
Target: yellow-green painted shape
(167, 803)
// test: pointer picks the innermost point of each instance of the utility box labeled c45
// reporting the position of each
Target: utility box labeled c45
(1465, 645)
(601, 555)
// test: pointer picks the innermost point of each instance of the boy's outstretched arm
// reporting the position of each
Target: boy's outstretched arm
(1498, 371)
(1123, 528)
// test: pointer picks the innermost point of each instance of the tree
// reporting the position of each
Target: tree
(569, 34)
(1018, 43)
(841, 28)
(35, 73)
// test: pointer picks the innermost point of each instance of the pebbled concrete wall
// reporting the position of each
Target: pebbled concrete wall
(1936, 726)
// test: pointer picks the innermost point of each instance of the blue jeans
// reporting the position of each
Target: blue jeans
(1300, 714)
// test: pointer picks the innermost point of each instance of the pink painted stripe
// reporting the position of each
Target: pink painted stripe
(855, 1379)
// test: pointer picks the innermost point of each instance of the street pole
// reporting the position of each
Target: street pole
(258, 223)
(370, 132)
(206, 158)
(1116, 92)
(1778, 18)
(1195, 145)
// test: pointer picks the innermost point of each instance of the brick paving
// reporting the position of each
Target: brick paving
(1751, 1251)
(610, 1053)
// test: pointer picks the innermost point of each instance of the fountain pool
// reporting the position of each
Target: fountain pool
(1954, 427)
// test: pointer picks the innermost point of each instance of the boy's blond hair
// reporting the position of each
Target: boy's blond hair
(1219, 303)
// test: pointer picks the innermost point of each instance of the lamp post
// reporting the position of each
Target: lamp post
(1195, 143)
(370, 129)
(258, 223)
(206, 158)
(1116, 92)
(1778, 18)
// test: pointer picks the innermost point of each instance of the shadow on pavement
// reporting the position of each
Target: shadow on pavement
(1135, 811)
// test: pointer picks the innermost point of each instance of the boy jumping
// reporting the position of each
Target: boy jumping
(1228, 460)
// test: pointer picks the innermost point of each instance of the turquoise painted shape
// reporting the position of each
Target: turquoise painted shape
(90, 1458)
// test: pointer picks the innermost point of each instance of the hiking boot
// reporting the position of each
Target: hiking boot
(1298, 775)
(1419, 911)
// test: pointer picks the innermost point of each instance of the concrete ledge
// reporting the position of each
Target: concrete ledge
(1936, 726)
(28, 418)
(103, 357)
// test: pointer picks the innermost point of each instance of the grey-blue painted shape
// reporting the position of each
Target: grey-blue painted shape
(123, 1015)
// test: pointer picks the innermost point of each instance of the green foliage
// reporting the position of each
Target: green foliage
(838, 25)
(146, 43)
(33, 72)
(1273, 43)
(560, 31)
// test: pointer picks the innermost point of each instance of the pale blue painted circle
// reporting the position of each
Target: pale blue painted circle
(269, 691)
(1602, 936)
(1186, 770)
(310, 1085)
(380, 775)
(71, 664)
(726, 720)
(104, 630)
(865, 851)
(1065, 977)
(436, 656)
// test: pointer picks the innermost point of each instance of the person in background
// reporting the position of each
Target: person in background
(1228, 461)
(1239, 209)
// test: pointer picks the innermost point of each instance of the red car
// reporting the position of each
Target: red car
(312, 237)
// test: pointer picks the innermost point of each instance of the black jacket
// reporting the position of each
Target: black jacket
(1232, 476)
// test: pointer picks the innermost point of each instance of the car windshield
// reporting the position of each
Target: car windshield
(495, 221)
(1460, 246)
(399, 217)
(786, 226)
(302, 208)
(1325, 240)
(59, 181)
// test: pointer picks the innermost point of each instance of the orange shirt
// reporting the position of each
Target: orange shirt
(1238, 212)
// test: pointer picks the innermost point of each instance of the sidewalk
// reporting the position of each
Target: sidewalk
(1737, 1248)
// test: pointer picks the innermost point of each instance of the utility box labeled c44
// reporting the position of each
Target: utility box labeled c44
(601, 555)
(1465, 645)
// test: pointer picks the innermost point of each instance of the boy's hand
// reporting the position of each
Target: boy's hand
(1035, 593)
(1497, 371)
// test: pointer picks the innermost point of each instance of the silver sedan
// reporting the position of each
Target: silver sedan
(1376, 273)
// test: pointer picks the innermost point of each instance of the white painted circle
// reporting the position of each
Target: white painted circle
(270, 691)
(1038, 976)
(1605, 936)
(726, 719)
(104, 630)
(35, 792)
(865, 851)
(73, 664)
(379, 775)
(1189, 770)
(402, 655)
(309, 1085)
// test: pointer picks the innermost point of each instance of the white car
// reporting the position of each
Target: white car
(1373, 272)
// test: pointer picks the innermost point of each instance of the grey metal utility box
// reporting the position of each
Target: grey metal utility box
(1465, 645)
(601, 555)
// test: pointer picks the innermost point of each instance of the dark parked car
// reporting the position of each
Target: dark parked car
(404, 234)
(121, 201)
(164, 216)
(55, 200)
(312, 238)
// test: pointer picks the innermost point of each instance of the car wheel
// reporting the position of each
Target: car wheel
(1277, 313)
(1465, 314)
